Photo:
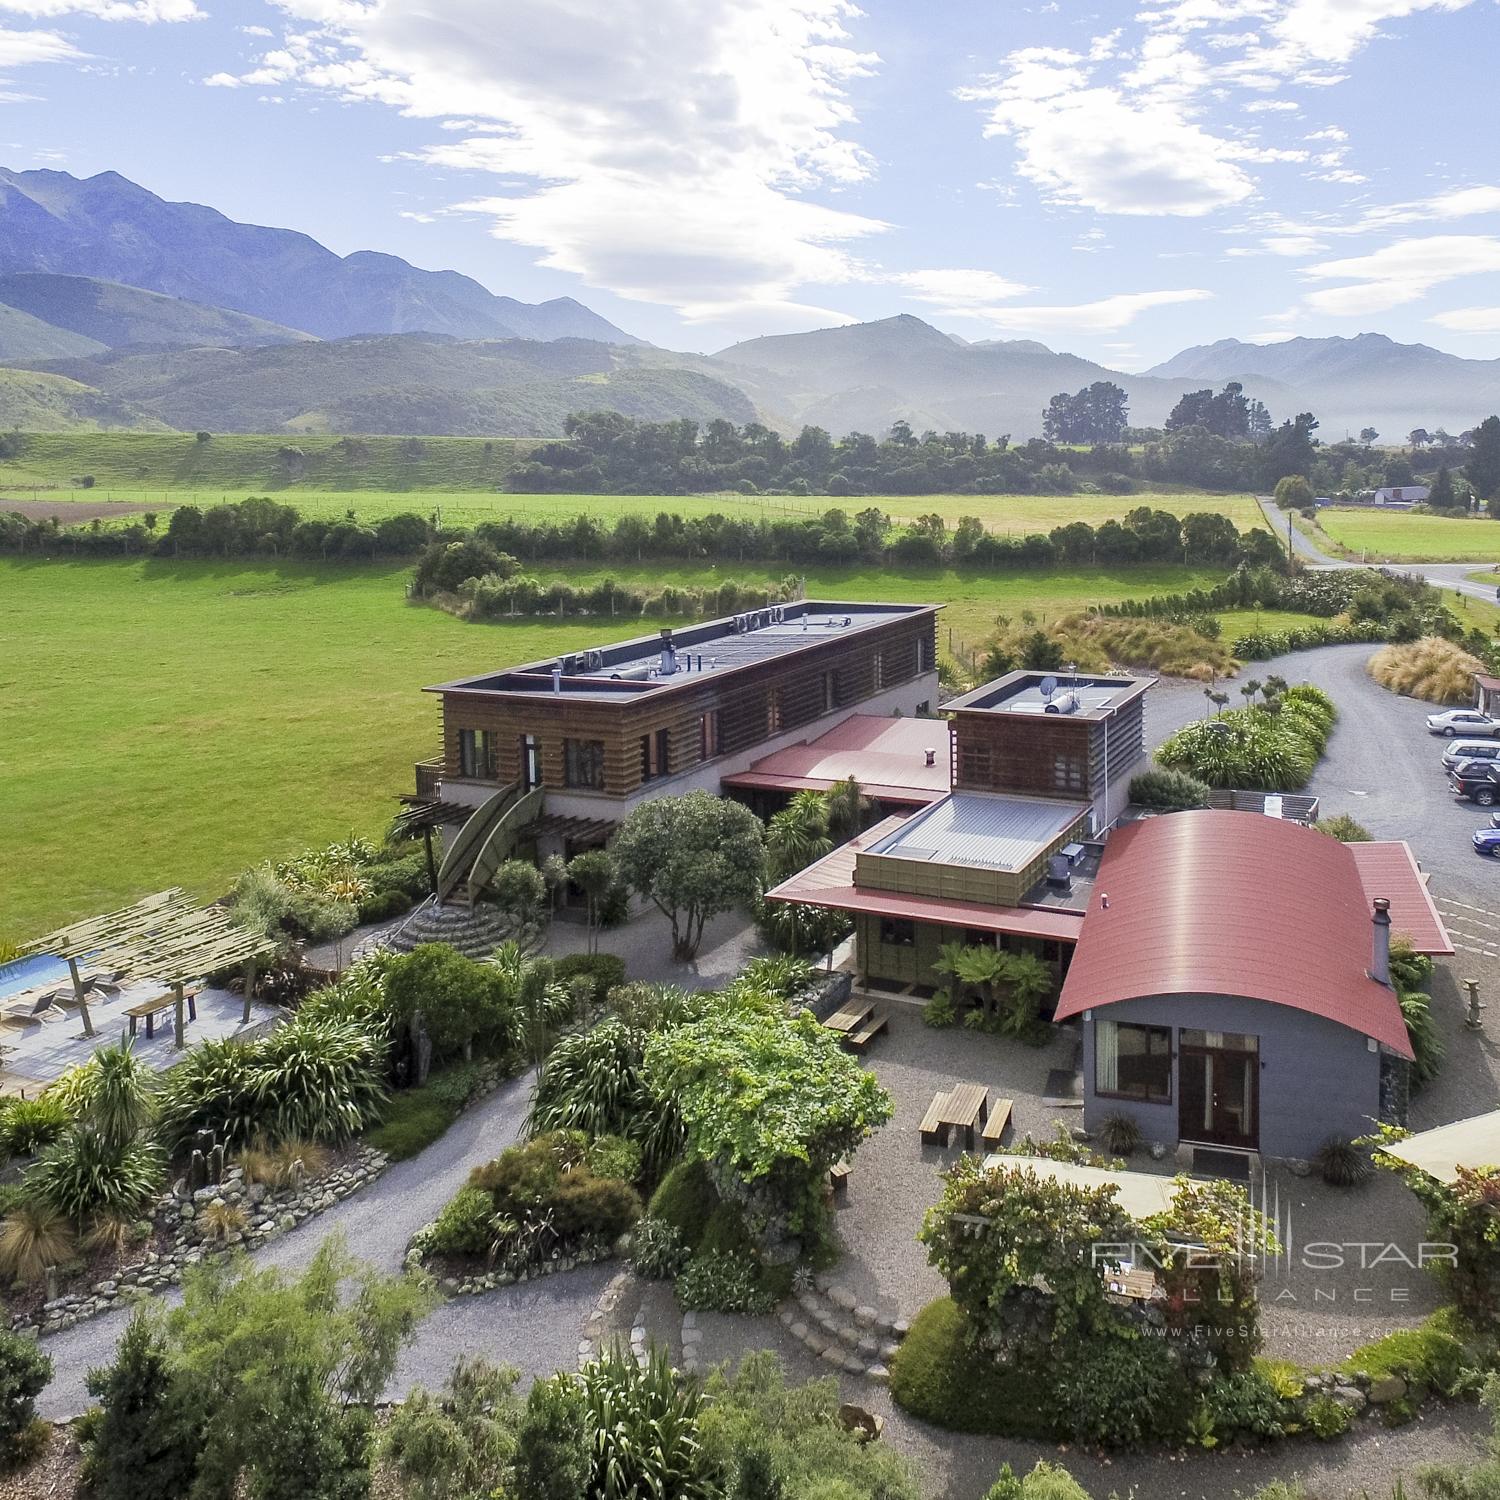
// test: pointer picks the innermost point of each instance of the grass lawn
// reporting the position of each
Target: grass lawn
(1236, 622)
(1400, 536)
(167, 724)
(170, 723)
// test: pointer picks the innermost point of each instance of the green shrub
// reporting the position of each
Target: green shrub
(936, 1375)
(463, 1227)
(1430, 1357)
(604, 970)
(462, 1002)
(24, 1371)
(1245, 1404)
(656, 1249)
(585, 1206)
(939, 1011)
(686, 1200)
(1341, 1163)
(715, 1282)
(1121, 1392)
(1343, 828)
(1119, 1134)
(1326, 1418)
(82, 1177)
(1168, 791)
(30, 1124)
(614, 1156)
(552, 1460)
(1044, 1482)
(412, 1121)
(1426, 1041)
(455, 1444)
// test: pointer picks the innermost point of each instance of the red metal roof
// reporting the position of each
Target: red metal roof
(1391, 870)
(1227, 903)
(886, 755)
(830, 882)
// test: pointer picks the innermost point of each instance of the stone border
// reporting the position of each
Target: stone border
(489, 1281)
(593, 1330)
(268, 1215)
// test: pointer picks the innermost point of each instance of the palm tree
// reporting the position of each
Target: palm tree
(797, 835)
(846, 808)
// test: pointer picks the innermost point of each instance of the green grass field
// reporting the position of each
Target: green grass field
(170, 723)
(1403, 537)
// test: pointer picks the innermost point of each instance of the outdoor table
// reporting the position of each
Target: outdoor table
(149, 1010)
(966, 1106)
(850, 1018)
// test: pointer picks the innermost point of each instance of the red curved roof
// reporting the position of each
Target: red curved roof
(1227, 903)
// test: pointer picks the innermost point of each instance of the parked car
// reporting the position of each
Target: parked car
(1481, 785)
(1487, 841)
(1460, 751)
(1468, 722)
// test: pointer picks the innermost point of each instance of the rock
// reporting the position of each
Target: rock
(842, 1297)
(1297, 1167)
(866, 1317)
(1386, 1388)
(1350, 1396)
(286, 1222)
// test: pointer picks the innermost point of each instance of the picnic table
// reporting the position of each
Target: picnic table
(965, 1109)
(149, 1010)
(851, 1018)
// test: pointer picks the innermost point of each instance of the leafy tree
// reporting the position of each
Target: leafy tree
(1097, 414)
(1418, 437)
(1367, 435)
(1444, 493)
(24, 1371)
(1293, 492)
(796, 836)
(518, 893)
(458, 1443)
(693, 857)
(1482, 467)
(458, 999)
(593, 872)
(1290, 449)
(552, 1460)
(145, 1444)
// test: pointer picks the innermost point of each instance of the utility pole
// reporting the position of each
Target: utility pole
(1289, 536)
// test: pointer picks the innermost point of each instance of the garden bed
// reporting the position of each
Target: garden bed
(181, 1236)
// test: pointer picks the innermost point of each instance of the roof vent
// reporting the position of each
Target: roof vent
(931, 756)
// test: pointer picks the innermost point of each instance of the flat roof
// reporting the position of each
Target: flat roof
(1140, 1194)
(1474, 1142)
(886, 755)
(1077, 695)
(991, 830)
(830, 882)
(712, 647)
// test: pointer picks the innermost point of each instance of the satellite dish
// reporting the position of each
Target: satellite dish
(1047, 687)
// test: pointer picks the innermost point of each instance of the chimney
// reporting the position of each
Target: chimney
(931, 757)
(1380, 947)
(557, 679)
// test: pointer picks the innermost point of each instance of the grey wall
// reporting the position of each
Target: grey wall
(1317, 1078)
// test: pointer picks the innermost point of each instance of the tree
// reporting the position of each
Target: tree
(1418, 437)
(459, 1442)
(1444, 493)
(1482, 467)
(24, 1371)
(1099, 413)
(146, 1443)
(692, 857)
(519, 894)
(552, 1454)
(1367, 435)
(1290, 449)
(593, 872)
(796, 836)
(1293, 492)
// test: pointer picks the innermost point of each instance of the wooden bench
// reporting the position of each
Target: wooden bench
(999, 1118)
(965, 1109)
(934, 1129)
(851, 1018)
(149, 1010)
(857, 1041)
(838, 1177)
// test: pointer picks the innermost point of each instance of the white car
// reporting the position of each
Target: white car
(1460, 751)
(1468, 722)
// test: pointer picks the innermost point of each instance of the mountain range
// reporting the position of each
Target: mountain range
(119, 308)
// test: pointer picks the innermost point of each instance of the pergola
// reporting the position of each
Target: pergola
(168, 937)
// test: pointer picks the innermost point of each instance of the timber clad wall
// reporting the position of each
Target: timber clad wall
(753, 703)
(915, 962)
(996, 752)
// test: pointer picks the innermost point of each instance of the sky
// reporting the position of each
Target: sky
(1117, 180)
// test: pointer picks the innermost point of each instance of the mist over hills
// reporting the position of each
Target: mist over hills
(120, 308)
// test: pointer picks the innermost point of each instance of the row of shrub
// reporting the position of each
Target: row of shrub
(1268, 746)
(503, 595)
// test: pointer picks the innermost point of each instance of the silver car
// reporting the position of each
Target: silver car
(1462, 751)
(1468, 722)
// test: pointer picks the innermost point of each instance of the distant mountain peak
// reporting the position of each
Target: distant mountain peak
(112, 229)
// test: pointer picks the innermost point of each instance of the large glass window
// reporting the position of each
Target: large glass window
(476, 754)
(898, 932)
(1133, 1062)
(708, 734)
(1067, 773)
(583, 764)
(656, 755)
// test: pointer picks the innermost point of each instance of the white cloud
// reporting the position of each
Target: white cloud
(18, 48)
(1469, 320)
(1401, 272)
(1107, 315)
(663, 149)
(148, 11)
(1268, 106)
(958, 288)
(263, 31)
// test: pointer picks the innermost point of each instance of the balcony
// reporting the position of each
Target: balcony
(429, 776)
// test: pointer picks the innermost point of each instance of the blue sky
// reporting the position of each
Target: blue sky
(1120, 181)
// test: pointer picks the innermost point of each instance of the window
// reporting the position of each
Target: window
(773, 711)
(830, 695)
(1067, 773)
(974, 937)
(898, 932)
(974, 766)
(1133, 1062)
(476, 754)
(708, 734)
(583, 764)
(877, 669)
(531, 763)
(924, 653)
(656, 755)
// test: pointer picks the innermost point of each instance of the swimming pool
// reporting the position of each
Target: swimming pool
(40, 968)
